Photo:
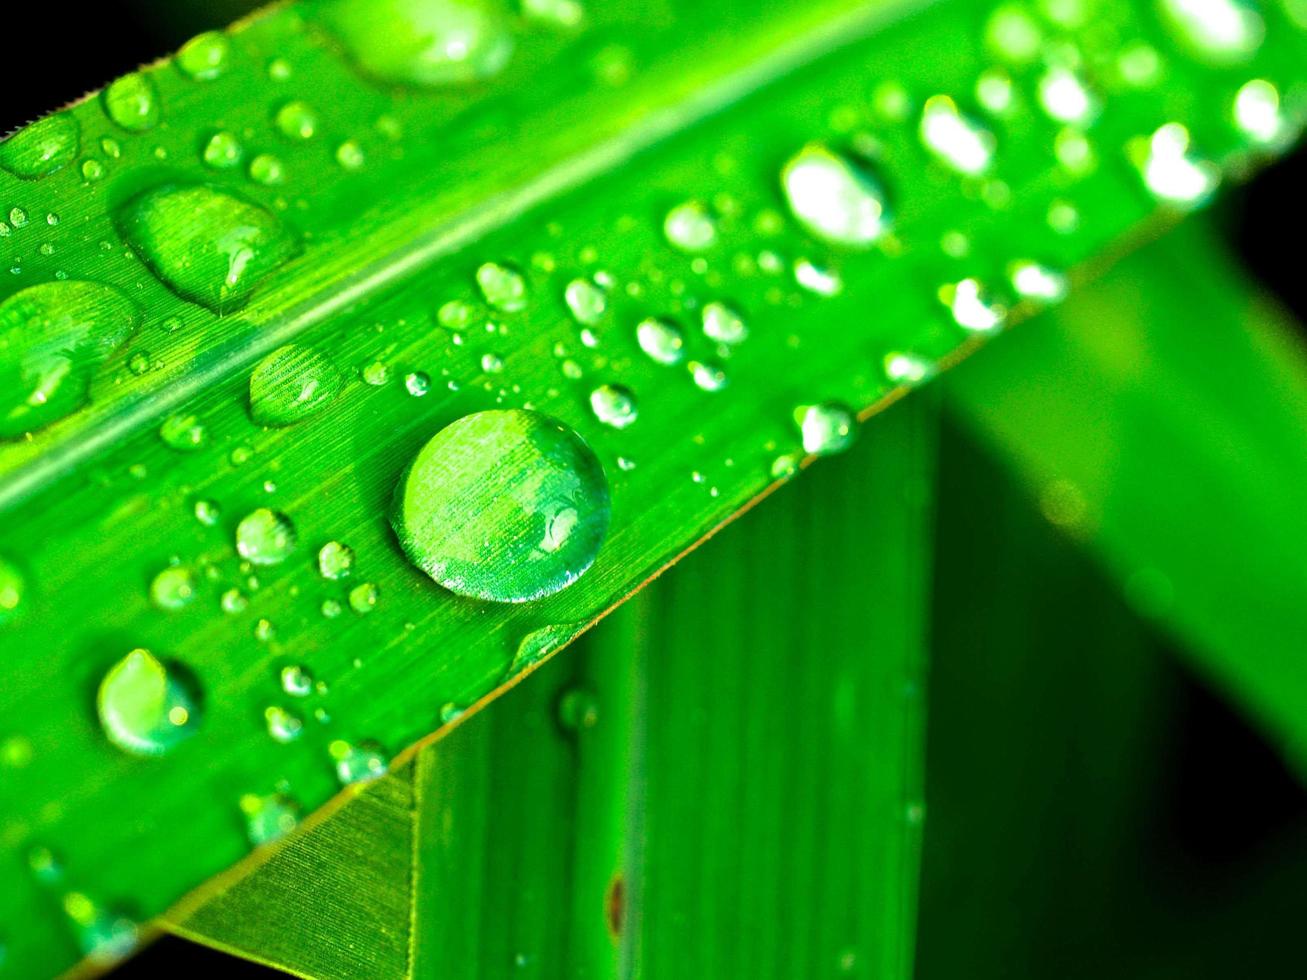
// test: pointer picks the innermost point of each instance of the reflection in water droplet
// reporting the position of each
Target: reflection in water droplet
(292, 383)
(104, 937)
(1170, 171)
(296, 681)
(1257, 112)
(223, 151)
(506, 506)
(52, 337)
(587, 300)
(723, 324)
(426, 43)
(826, 429)
(132, 102)
(265, 537)
(283, 726)
(690, 227)
(972, 306)
(41, 148)
(613, 405)
(820, 280)
(1065, 97)
(707, 376)
(956, 140)
(503, 286)
(357, 763)
(363, 598)
(207, 245)
(835, 198)
(908, 369)
(183, 432)
(661, 339)
(296, 120)
(146, 706)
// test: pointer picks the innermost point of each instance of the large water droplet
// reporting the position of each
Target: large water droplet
(335, 560)
(1221, 32)
(173, 588)
(826, 429)
(587, 300)
(661, 339)
(834, 198)
(52, 336)
(723, 324)
(132, 102)
(292, 383)
(265, 537)
(204, 57)
(206, 244)
(41, 148)
(503, 286)
(146, 706)
(357, 763)
(1257, 112)
(955, 139)
(1171, 172)
(613, 405)
(506, 506)
(427, 43)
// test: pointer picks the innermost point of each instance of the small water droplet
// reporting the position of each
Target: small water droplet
(12, 588)
(296, 120)
(292, 383)
(562, 13)
(223, 151)
(661, 339)
(283, 726)
(690, 227)
(357, 763)
(204, 57)
(296, 681)
(956, 140)
(834, 198)
(1065, 97)
(173, 588)
(503, 286)
(132, 102)
(350, 155)
(491, 363)
(268, 818)
(1031, 280)
(146, 706)
(505, 506)
(1171, 172)
(41, 148)
(417, 383)
(265, 537)
(104, 937)
(267, 169)
(821, 280)
(972, 306)
(183, 432)
(708, 376)
(207, 512)
(375, 374)
(613, 405)
(826, 429)
(586, 300)
(335, 560)
(92, 170)
(723, 324)
(908, 369)
(207, 245)
(1257, 112)
(363, 598)
(1014, 35)
(233, 602)
(1220, 32)
(578, 709)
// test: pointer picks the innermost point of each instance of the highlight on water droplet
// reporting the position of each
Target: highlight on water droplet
(817, 279)
(363, 598)
(1065, 97)
(1220, 32)
(691, 227)
(613, 405)
(1257, 113)
(956, 140)
(291, 384)
(826, 429)
(504, 506)
(587, 301)
(284, 726)
(904, 368)
(268, 818)
(357, 763)
(835, 198)
(147, 706)
(132, 102)
(661, 339)
(973, 307)
(707, 376)
(265, 537)
(173, 588)
(206, 244)
(502, 285)
(424, 43)
(1033, 281)
(1171, 172)
(204, 57)
(723, 323)
(43, 147)
(52, 337)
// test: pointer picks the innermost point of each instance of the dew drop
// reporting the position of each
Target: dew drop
(284, 726)
(335, 560)
(146, 706)
(132, 102)
(1221, 32)
(578, 709)
(12, 587)
(204, 57)
(563, 13)
(173, 588)
(207, 245)
(503, 286)
(425, 43)
(350, 155)
(363, 598)
(1066, 98)
(817, 279)
(268, 818)
(265, 537)
(972, 306)
(956, 140)
(723, 324)
(908, 369)
(223, 151)
(356, 763)
(267, 169)
(207, 512)
(1170, 171)
(661, 339)
(41, 148)
(417, 383)
(292, 383)
(690, 227)
(296, 681)
(503, 505)
(52, 337)
(183, 432)
(1257, 112)
(834, 198)
(707, 376)
(296, 120)
(104, 937)
(375, 374)
(1031, 280)
(586, 300)
(825, 429)
(613, 405)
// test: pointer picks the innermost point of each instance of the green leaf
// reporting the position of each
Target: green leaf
(429, 242)
(1159, 415)
(675, 791)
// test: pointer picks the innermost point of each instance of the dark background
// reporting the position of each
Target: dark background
(1226, 799)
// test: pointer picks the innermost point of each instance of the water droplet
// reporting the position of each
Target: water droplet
(132, 102)
(690, 227)
(563, 13)
(146, 706)
(1257, 112)
(350, 155)
(233, 602)
(268, 818)
(578, 709)
(1170, 171)
(821, 280)
(1013, 35)
(279, 69)
(207, 245)
(265, 537)
(173, 588)
(139, 363)
(296, 120)
(104, 937)
(661, 339)
(418, 383)
(723, 324)
(363, 598)
(41, 148)
(207, 512)
(183, 432)
(958, 141)
(613, 405)
(375, 374)
(587, 301)
(296, 681)
(492, 363)
(1030, 280)
(16, 752)
(267, 169)
(503, 286)
(92, 170)
(12, 586)
(834, 198)
(52, 337)
(427, 43)
(908, 369)
(223, 151)
(506, 506)
(357, 763)
(18, 217)
(972, 306)
(283, 726)
(708, 376)
(454, 314)
(335, 560)
(826, 429)
(1065, 97)
(292, 383)
(204, 57)
(1221, 32)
